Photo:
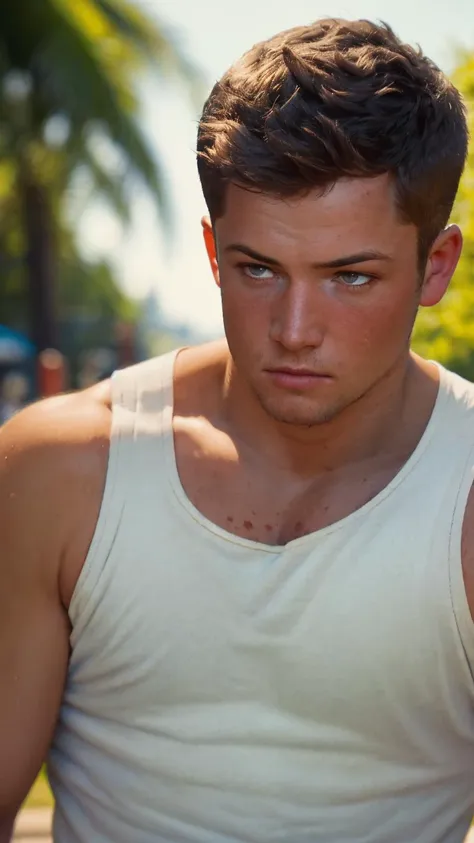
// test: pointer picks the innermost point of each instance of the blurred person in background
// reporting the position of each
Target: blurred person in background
(237, 581)
(14, 389)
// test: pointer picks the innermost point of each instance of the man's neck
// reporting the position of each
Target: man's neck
(391, 416)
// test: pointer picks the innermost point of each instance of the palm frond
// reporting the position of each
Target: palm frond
(75, 72)
(111, 188)
(161, 46)
(84, 91)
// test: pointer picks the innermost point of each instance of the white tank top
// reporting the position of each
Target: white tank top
(226, 691)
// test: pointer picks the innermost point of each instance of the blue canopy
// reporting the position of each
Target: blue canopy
(14, 347)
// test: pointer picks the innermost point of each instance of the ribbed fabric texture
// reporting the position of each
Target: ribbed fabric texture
(226, 691)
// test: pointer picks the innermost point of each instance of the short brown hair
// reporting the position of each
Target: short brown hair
(333, 99)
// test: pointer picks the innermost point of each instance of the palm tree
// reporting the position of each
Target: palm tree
(68, 70)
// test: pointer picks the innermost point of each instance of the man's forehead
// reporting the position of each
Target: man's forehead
(376, 193)
(361, 213)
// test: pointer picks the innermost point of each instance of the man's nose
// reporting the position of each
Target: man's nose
(298, 318)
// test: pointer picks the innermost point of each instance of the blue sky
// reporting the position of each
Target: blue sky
(214, 34)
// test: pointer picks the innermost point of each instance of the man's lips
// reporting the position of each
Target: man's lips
(297, 378)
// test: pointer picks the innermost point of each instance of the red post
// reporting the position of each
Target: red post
(51, 373)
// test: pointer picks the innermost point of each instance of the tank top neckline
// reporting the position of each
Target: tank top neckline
(199, 518)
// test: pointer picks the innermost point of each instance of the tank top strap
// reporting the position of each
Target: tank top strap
(462, 612)
(141, 398)
(145, 388)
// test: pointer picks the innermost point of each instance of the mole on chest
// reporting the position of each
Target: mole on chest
(271, 531)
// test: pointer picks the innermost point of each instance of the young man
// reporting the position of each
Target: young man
(236, 582)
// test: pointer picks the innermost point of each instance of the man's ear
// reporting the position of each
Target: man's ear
(442, 261)
(210, 244)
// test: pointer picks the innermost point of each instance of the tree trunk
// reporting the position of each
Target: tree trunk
(40, 264)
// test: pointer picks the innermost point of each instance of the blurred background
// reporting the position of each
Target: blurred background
(101, 260)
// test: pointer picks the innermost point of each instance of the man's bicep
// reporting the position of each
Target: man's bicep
(34, 635)
(33, 663)
(53, 459)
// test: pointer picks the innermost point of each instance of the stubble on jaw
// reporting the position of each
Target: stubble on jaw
(311, 417)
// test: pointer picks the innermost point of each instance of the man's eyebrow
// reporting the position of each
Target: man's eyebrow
(345, 260)
(251, 253)
(358, 257)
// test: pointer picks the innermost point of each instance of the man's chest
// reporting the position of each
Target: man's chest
(255, 499)
(340, 628)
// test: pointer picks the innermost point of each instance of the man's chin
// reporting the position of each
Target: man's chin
(298, 416)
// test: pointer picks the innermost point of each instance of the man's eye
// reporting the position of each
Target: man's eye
(354, 279)
(257, 272)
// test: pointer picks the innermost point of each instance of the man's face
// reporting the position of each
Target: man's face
(319, 294)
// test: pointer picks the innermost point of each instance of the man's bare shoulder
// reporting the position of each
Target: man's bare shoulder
(53, 463)
(59, 433)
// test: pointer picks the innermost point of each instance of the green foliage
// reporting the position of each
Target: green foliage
(78, 60)
(446, 332)
(68, 77)
(40, 795)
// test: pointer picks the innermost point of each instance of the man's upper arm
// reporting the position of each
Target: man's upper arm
(52, 469)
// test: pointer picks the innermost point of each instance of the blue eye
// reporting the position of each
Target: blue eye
(354, 279)
(257, 272)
